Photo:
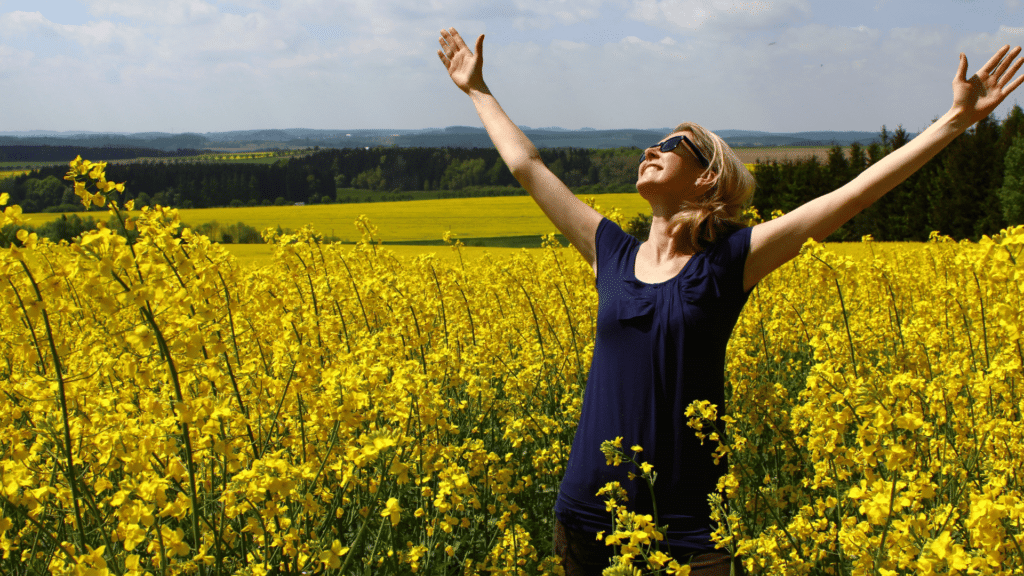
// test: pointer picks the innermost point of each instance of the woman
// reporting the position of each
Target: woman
(667, 306)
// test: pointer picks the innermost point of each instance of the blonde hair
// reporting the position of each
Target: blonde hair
(701, 222)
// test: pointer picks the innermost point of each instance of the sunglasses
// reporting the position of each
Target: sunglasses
(670, 145)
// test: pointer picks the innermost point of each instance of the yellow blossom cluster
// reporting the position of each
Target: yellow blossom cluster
(343, 410)
(166, 411)
(874, 414)
(636, 538)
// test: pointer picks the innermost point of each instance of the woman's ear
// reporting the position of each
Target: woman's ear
(706, 182)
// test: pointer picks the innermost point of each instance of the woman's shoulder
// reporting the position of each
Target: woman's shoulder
(733, 241)
(724, 260)
(611, 236)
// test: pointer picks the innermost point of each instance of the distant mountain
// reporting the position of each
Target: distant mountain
(452, 136)
(821, 138)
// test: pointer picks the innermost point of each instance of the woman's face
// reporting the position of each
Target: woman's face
(671, 175)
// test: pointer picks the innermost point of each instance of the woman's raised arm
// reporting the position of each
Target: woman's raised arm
(775, 242)
(573, 218)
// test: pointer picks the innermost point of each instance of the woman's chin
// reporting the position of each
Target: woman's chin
(647, 190)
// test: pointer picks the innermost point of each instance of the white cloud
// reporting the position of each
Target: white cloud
(979, 47)
(25, 22)
(166, 12)
(693, 15)
(233, 64)
(544, 13)
(812, 77)
(102, 35)
(818, 40)
(12, 60)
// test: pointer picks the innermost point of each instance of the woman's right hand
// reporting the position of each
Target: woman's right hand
(465, 67)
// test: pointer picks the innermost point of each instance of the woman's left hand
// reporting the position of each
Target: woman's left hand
(976, 97)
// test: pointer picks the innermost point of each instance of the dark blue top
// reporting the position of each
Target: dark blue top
(659, 347)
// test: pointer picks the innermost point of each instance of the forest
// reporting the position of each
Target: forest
(973, 187)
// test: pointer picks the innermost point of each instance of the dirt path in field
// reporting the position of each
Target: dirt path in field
(751, 155)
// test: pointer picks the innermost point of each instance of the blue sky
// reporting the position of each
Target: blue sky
(215, 65)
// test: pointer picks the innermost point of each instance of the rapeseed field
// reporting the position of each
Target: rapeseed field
(12, 173)
(402, 220)
(347, 410)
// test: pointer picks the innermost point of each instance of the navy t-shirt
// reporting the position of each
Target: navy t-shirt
(659, 347)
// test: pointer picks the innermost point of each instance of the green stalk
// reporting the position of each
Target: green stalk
(316, 306)
(416, 324)
(231, 318)
(166, 352)
(62, 394)
(536, 321)
(28, 323)
(846, 320)
(440, 298)
(241, 405)
(888, 522)
(40, 530)
(355, 289)
(469, 312)
(967, 330)
(654, 503)
(984, 329)
(572, 329)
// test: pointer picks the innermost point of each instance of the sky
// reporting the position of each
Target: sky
(220, 65)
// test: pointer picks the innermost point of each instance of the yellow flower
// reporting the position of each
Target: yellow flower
(392, 510)
(674, 569)
(332, 556)
(621, 570)
(658, 559)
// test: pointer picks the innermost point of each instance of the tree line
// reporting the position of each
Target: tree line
(326, 176)
(975, 186)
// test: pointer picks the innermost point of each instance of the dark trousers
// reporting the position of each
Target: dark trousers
(583, 555)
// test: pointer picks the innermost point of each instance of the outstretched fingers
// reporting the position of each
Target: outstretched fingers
(452, 39)
(998, 73)
(451, 43)
(457, 38)
(1018, 81)
(446, 52)
(1004, 64)
(994, 61)
(1007, 75)
(465, 67)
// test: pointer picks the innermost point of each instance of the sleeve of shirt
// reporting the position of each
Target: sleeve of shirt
(612, 244)
(728, 259)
